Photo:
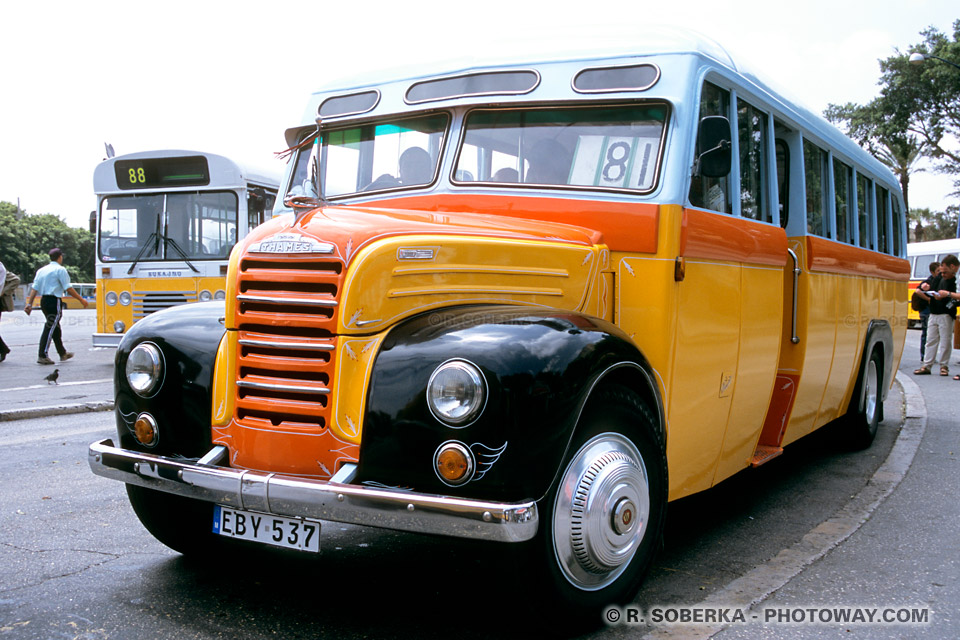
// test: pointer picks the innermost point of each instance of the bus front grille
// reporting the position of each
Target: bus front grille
(286, 316)
(147, 302)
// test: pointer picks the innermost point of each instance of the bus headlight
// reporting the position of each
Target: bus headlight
(144, 368)
(119, 326)
(456, 392)
(111, 298)
(220, 295)
(125, 299)
(205, 296)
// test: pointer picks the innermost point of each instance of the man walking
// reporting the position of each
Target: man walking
(52, 282)
(943, 310)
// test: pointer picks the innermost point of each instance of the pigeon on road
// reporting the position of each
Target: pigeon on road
(53, 377)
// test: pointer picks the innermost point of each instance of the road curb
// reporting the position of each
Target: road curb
(761, 582)
(57, 410)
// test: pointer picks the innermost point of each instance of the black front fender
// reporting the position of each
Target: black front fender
(188, 337)
(540, 367)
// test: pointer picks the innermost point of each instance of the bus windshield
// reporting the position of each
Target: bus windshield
(372, 157)
(168, 227)
(614, 147)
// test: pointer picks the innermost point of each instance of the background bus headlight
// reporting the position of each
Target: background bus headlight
(205, 296)
(125, 299)
(144, 368)
(220, 295)
(119, 326)
(456, 392)
(111, 298)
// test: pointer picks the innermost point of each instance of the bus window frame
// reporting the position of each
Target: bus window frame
(645, 102)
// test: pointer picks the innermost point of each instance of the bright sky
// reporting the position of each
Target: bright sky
(230, 77)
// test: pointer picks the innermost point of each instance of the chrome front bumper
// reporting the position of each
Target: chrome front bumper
(296, 497)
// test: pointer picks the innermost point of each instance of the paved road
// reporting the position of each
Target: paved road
(85, 379)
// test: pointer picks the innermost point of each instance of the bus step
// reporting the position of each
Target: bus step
(764, 453)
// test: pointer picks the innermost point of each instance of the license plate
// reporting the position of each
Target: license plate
(289, 533)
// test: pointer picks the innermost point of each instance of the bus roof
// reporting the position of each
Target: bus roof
(682, 56)
(224, 172)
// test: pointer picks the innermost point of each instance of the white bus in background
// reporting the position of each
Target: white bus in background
(166, 222)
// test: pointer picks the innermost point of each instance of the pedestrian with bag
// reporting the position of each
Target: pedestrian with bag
(9, 281)
(51, 283)
(943, 312)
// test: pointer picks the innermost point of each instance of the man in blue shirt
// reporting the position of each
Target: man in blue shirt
(52, 282)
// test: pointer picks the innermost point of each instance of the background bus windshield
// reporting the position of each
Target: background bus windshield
(203, 225)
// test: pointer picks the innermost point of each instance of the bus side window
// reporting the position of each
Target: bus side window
(752, 129)
(815, 165)
(843, 197)
(882, 210)
(712, 193)
(783, 180)
(863, 210)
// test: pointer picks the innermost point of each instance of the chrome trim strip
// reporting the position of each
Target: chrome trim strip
(266, 386)
(295, 497)
(305, 346)
(308, 302)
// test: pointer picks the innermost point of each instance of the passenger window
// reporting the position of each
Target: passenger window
(864, 193)
(897, 222)
(843, 197)
(815, 165)
(752, 131)
(783, 181)
(712, 193)
(882, 208)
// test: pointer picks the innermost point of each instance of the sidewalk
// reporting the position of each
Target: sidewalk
(85, 382)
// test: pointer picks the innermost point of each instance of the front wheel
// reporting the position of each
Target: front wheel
(183, 524)
(866, 406)
(603, 522)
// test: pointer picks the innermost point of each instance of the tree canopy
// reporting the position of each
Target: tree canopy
(917, 113)
(25, 242)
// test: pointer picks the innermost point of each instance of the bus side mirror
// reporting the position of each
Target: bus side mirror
(93, 222)
(714, 141)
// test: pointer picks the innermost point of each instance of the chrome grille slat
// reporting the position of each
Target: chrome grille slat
(297, 346)
(308, 302)
(282, 387)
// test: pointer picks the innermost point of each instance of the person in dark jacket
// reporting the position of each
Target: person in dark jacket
(943, 311)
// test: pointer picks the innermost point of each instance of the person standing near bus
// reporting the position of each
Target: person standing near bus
(943, 311)
(4, 349)
(923, 287)
(52, 282)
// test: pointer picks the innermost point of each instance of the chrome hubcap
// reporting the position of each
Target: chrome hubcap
(601, 511)
(870, 388)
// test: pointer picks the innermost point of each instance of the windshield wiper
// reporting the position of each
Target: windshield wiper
(156, 240)
(183, 254)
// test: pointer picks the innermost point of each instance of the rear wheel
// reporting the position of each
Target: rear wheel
(603, 522)
(866, 405)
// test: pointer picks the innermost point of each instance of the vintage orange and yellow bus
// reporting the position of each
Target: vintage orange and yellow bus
(165, 223)
(529, 303)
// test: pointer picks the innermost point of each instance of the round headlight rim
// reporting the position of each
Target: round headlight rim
(220, 295)
(159, 366)
(111, 298)
(207, 293)
(125, 298)
(475, 414)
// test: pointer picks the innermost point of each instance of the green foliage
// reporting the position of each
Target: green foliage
(917, 112)
(25, 241)
(933, 225)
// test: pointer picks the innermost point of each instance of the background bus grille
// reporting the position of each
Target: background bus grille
(147, 302)
(286, 317)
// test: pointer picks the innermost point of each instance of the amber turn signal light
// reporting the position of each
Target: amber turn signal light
(145, 430)
(454, 463)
